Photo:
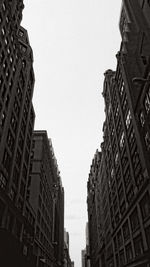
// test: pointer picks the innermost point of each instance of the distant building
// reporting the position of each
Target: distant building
(46, 199)
(119, 180)
(16, 126)
(85, 254)
(83, 257)
(67, 259)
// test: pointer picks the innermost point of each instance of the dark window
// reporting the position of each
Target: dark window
(21, 33)
(147, 233)
(142, 118)
(134, 219)
(122, 259)
(18, 158)
(6, 160)
(15, 177)
(138, 246)
(129, 253)
(147, 141)
(3, 181)
(10, 140)
(12, 194)
(128, 119)
(122, 140)
(147, 103)
(126, 232)
(130, 194)
(119, 238)
(145, 206)
(22, 189)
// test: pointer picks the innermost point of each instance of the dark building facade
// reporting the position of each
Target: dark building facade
(46, 197)
(119, 180)
(67, 259)
(16, 126)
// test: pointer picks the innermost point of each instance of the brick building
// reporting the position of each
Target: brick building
(46, 199)
(119, 187)
(16, 126)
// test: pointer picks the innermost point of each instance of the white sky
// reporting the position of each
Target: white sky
(74, 42)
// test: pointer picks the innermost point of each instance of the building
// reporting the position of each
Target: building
(94, 217)
(46, 198)
(119, 185)
(85, 253)
(83, 258)
(16, 126)
(67, 259)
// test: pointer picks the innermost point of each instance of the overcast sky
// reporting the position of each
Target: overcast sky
(74, 42)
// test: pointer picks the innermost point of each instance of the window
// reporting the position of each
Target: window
(125, 104)
(4, 66)
(19, 93)
(128, 119)
(24, 172)
(122, 259)
(22, 189)
(130, 195)
(127, 177)
(126, 233)
(4, 89)
(147, 103)
(117, 111)
(13, 122)
(145, 206)
(12, 38)
(18, 158)
(10, 140)
(138, 246)
(21, 141)
(147, 233)
(10, 85)
(1, 80)
(15, 177)
(122, 140)
(129, 253)
(123, 208)
(132, 139)
(3, 31)
(16, 107)
(2, 56)
(24, 48)
(21, 33)
(6, 160)
(12, 194)
(11, 60)
(3, 181)
(7, 20)
(134, 219)
(119, 238)
(3, 117)
(147, 141)
(7, 100)
(6, 41)
(4, 7)
(121, 89)
(142, 118)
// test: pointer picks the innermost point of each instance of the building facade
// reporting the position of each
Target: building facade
(67, 259)
(16, 126)
(44, 198)
(119, 191)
